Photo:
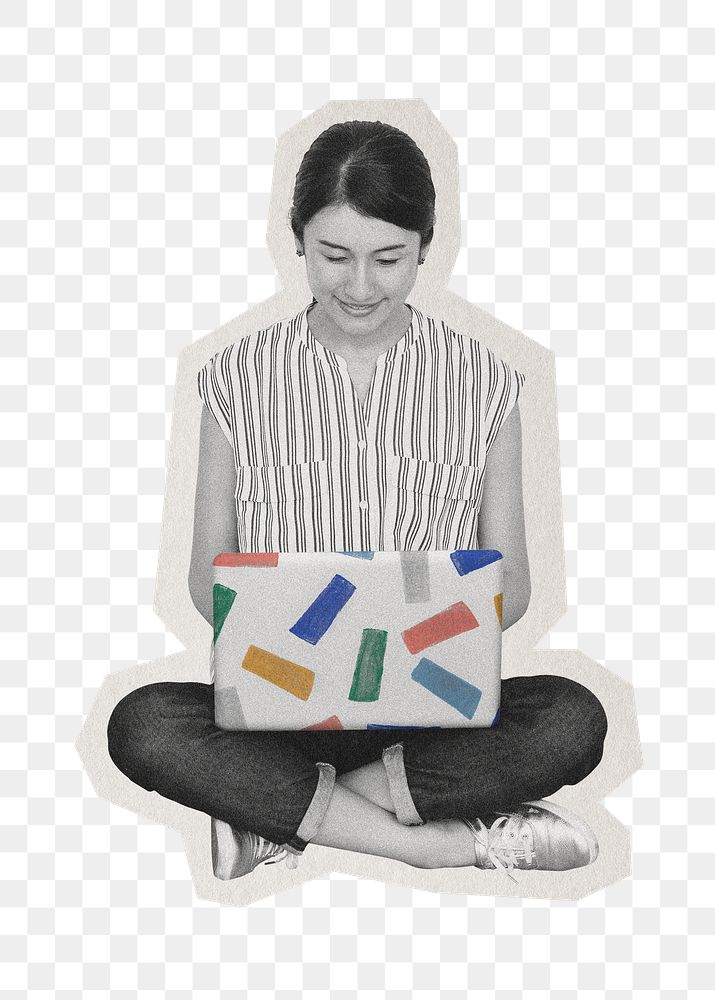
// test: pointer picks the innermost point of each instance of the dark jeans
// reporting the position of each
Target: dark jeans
(278, 784)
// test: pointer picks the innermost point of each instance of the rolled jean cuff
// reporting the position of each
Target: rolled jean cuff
(405, 809)
(315, 813)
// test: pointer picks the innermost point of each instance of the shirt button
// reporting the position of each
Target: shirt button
(362, 444)
(363, 505)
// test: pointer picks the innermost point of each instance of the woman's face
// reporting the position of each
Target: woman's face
(359, 269)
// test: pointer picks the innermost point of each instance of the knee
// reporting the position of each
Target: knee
(586, 715)
(132, 731)
(584, 704)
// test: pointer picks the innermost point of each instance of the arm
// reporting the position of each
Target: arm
(214, 512)
(501, 517)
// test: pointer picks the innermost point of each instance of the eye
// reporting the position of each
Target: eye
(395, 260)
(334, 258)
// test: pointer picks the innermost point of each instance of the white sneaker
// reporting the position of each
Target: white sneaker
(540, 836)
(237, 852)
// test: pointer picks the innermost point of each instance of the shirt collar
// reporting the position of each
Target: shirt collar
(412, 334)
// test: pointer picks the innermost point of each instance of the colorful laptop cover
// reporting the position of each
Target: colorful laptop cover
(357, 640)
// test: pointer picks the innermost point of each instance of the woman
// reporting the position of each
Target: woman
(368, 403)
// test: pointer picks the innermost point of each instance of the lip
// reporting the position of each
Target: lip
(361, 310)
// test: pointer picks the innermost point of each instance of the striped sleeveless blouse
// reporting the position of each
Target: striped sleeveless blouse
(316, 471)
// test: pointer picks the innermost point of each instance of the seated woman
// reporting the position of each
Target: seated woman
(356, 376)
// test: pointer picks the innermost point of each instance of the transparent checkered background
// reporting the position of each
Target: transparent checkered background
(136, 167)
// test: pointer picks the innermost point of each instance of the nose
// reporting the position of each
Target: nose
(359, 287)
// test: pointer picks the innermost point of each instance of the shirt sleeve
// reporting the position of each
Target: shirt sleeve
(504, 387)
(214, 385)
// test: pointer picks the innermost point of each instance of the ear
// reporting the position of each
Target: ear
(424, 250)
(298, 244)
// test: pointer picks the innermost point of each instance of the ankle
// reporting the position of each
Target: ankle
(444, 844)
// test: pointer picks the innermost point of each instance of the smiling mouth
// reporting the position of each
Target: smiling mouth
(359, 308)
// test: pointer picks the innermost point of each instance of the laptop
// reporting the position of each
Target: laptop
(357, 640)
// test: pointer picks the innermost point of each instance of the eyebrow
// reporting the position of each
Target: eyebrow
(336, 246)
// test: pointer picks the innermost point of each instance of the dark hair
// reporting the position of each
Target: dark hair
(377, 169)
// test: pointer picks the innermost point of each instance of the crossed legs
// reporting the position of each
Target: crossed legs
(163, 736)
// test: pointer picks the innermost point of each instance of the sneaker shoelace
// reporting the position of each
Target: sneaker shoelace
(505, 843)
(289, 857)
(265, 853)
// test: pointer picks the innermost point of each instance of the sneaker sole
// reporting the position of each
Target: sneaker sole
(573, 820)
(223, 850)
